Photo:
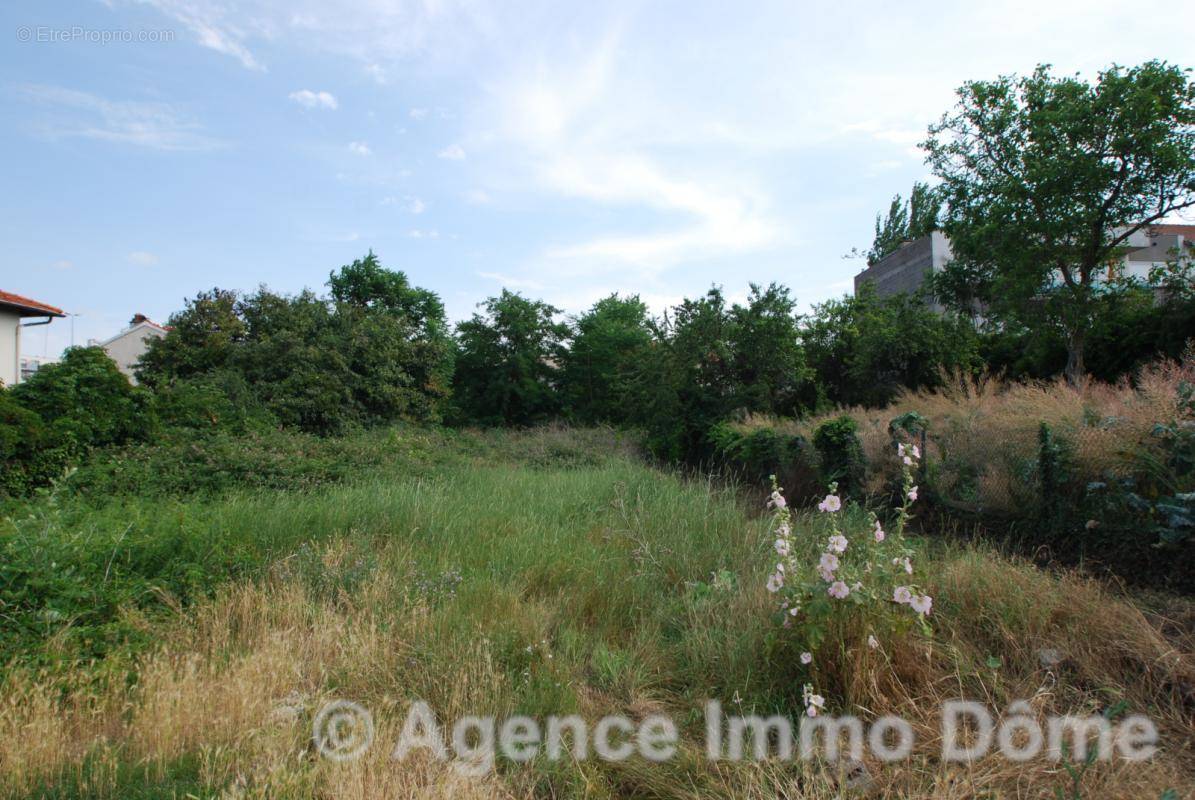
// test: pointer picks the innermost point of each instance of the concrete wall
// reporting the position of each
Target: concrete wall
(10, 347)
(126, 350)
(906, 269)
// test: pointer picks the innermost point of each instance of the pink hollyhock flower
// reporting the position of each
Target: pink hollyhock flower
(837, 543)
(775, 583)
(806, 658)
(913, 494)
(828, 562)
(902, 595)
(916, 452)
(777, 500)
(831, 503)
(922, 604)
(879, 532)
(782, 547)
(839, 590)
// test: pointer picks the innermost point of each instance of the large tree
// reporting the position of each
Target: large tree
(507, 368)
(1047, 178)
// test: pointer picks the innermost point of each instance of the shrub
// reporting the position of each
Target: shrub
(837, 442)
(87, 401)
(29, 455)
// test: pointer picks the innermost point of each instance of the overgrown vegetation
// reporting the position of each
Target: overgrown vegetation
(541, 573)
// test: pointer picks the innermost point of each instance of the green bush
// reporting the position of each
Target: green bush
(842, 460)
(29, 455)
(761, 453)
(86, 401)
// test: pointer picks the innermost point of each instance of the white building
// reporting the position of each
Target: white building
(127, 347)
(907, 269)
(13, 309)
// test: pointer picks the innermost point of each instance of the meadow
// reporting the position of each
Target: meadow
(167, 643)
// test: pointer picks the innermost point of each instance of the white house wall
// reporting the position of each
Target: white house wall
(10, 347)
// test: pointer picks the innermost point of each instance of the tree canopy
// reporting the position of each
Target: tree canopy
(1047, 178)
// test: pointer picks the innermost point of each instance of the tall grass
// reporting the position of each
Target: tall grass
(983, 432)
(495, 587)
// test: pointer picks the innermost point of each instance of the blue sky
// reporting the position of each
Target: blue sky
(565, 150)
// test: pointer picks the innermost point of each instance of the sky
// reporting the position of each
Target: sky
(565, 150)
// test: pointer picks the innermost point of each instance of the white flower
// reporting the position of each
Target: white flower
(777, 500)
(908, 462)
(904, 562)
(782, 548)
(806, 658)
(831, 503)
(901, 594)
(775, 583)
(879, 532)
(828, 563)
(783, 530)
(792, 612)
(837, 543)
(839, 590)
(922, 604)
(913, 494)
(826, 574)
(916, 452)
(872, 642)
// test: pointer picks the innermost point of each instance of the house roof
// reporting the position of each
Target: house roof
(1187, 231)
(28, 307)
(138, 322)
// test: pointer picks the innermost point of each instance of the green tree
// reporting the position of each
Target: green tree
(864, 349)
(905, 222)
(767, 359)
(508, 362)
(608, 343)
(1046, 178)
(202, 338)
(86, 401)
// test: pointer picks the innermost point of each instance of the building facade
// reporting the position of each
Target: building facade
(907, 269)
(14, 310)
(127, 347)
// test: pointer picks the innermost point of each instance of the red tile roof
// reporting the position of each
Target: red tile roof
(1185, 230)
(28, 307)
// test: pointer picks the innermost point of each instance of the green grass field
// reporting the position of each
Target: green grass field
(161, 644)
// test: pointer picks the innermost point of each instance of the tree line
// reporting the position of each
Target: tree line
(1041, 181)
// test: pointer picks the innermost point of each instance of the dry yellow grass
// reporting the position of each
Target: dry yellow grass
(983, 434)
(237, 680)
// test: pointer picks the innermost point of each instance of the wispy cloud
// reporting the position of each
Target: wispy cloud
(310, 99)
(211, 26)
(453, 152)
(418, 233)
(71, 113)
(417, 113)
(142, 258)
(360, 148)
(510, 282)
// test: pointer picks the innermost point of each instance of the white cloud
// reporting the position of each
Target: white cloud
(417, 113)
(310, 99)
(71, 113)
(142, 259)
(211, 27)
(477, 197)
(453, 152)
(62, 264)
(416, 206)
(511, 282)
(416, 233)
(377, 72)
(360, 148)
